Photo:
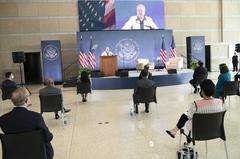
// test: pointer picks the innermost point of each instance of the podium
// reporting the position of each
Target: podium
(108, 65)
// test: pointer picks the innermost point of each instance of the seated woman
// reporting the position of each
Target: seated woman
(84, 86)
(207, 104)
(224, 76)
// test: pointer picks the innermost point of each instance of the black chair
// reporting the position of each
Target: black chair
(83, 87)
(230, 88)
(7, 92)
(28, 145)
(145, 95)
(207, 127)
(51, 103)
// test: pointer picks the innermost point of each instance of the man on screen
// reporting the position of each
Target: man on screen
(107, 52)
(140, 21)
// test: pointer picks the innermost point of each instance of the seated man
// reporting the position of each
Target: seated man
(199, 71)
(50, 89)
(146, 67)
(144, 82)
(9, 83)
(20, 119)
(107, 52)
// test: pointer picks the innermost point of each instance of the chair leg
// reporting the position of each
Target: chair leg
(225, 145)
(206, 149)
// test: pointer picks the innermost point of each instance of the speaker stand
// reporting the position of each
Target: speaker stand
(21, 74)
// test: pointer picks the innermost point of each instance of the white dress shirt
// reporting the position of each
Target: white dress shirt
(134, 23)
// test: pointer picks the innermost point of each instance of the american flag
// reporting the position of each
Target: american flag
(173, 52)
(91, 56)
(82, 56)
(96, 14)
(163, 52)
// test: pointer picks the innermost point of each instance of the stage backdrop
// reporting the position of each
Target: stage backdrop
(127, 45)
(52, 60)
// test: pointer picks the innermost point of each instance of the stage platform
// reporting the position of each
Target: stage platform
(161, 77)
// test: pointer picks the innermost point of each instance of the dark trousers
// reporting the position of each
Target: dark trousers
(181, 122)
(235, 67)
(193, 82)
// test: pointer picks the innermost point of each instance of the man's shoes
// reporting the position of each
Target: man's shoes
(66, 110)
(146, 111)
(84, 100)
(56, 116)
(136, 112)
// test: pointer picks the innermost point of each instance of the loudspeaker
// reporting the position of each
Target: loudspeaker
(18, 57)
(97, 74)
(237, 48)
(172, 71)
(122, 73)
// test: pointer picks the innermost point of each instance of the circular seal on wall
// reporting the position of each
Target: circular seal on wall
(127, 50)
(197, 45)
(51, 52)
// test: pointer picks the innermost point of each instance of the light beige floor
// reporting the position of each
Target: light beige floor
(139, 136)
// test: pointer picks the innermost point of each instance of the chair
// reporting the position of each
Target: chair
(83, 88)
(52, 103)
(198, 79)
(212, 130)
(230, 88)
(175, 63)
(27, 145)
(140, 63)
(7, 92)
(145, 95)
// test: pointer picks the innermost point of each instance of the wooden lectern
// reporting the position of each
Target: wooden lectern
(108, 65)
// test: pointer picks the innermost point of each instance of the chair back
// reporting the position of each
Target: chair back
(208, 126)
(7, 92)
(51, 103)
(200, 78)
(146, 95)
(231, 88)
(28, 145)
(83, 87)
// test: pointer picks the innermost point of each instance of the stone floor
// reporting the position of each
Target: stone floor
(102, 128)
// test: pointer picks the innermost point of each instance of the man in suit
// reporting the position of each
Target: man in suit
(235, 62)
(146, 67)
(20, 119)
(144, 82)
(50, 89)
(199, 71)
(9, 83)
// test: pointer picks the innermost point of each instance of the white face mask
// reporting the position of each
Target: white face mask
(12, 76)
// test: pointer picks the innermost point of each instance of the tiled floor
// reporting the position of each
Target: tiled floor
(102, 128)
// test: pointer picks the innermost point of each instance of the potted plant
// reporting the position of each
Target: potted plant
(194, 64)
(83, 70)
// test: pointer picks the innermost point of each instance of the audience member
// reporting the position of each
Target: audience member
(146, 67)
(85, 80)
(207, 104)
(144, 82)
(9, 83)
(224, 76)
(20, 119)
(50, 89)
(199, 71)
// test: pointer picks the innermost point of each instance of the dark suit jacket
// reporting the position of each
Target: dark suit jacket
(22, 120)
(143, 83)
(235, 59)
(50, 91)
(199, 70)
(149, 76)
(8, 83)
